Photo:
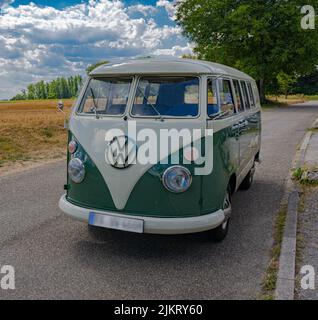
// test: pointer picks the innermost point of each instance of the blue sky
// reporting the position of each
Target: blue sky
(64, 3)
(41, 40)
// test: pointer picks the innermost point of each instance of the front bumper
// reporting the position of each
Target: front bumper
(153, 225)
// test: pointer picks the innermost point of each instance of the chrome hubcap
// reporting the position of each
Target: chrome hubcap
(227, 202)
(227, 208)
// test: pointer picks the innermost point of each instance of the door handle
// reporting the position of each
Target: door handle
(239, 125)
(243, 124)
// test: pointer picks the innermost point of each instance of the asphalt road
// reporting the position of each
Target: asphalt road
(54, 257)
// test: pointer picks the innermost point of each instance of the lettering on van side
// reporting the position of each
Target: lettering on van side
(156, 146)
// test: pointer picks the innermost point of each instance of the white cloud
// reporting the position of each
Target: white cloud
(5, 3)
(43, 42)
(170, 7)
(143, 9)
(176, 51)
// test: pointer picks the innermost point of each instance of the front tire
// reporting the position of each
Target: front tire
(248, 180)
(220, 233)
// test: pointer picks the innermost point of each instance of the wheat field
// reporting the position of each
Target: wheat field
(32, 130)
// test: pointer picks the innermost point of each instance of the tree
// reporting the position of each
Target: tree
(143, 57)
(60, 88)
(77, 84)
(40, 90)
(70, 82)
(64, 89)
(285, 82)
(189, 56)
(262, 38)
(91, 67)
(31, 92)
(307, 84)
(52, 93)
(20, 96)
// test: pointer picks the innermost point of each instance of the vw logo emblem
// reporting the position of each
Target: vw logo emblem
(121, 152)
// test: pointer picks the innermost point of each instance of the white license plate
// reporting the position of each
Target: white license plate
(118, 223)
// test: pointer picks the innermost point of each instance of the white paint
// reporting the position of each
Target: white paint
(153, 225)
(308, 21)
(8, 280)
(308, 280)
(91, 133)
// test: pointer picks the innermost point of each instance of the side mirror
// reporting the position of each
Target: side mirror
(60, 106)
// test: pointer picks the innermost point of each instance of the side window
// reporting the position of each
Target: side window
(213, 106)
(245, 96)
(226, 97)
(240, 105)
(250, 91)
(256, 94)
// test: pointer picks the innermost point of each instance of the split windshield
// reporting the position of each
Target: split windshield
(154, 97)
(172, 97)
(106, 96)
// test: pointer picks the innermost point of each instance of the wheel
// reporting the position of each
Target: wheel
(248, 180)
(97, 233)
(220, 233)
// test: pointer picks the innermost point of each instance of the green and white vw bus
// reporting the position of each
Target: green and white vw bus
(136, 160)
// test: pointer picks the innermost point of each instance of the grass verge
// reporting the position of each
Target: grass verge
(301, 176)
(272, 105)
(292, 99)
(313, 130)
(270, 279)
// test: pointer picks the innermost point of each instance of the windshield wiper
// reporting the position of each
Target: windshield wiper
(152, 106)
(220, 115)
(95, 104)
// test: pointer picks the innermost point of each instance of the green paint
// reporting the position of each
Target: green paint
(150, 198)
(93, 191)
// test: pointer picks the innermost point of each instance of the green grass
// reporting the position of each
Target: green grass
(307, 182)
(313, 97)
(270, 279)
(313, 130)
(273, 104)
(299, 175)
(299, 241)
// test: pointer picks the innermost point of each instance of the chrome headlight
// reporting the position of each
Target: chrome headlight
(76, 170)
(177, 179)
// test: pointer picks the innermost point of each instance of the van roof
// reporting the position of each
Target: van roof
(154, 66)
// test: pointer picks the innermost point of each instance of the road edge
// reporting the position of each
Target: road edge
(286, 277)
(11, 171)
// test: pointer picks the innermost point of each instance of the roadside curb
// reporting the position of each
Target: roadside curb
(285, 284)
(303, 149)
